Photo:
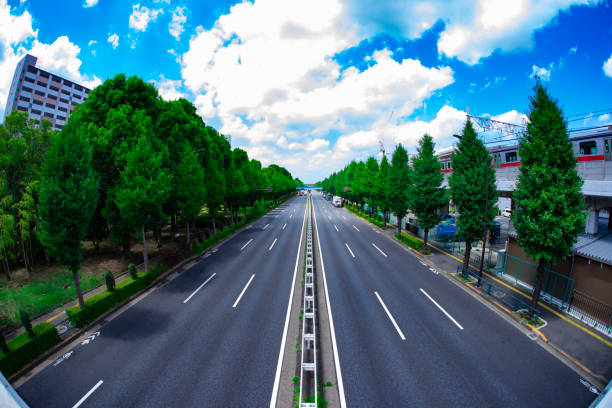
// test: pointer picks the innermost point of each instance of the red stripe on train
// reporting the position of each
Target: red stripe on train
(591, 158)
(513, 164)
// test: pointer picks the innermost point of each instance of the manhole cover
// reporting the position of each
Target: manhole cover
(499, 294)
(62, 328)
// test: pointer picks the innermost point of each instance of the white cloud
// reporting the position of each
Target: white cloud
(605, 117)
(141, 15)
(607, 67)
(178, 21)
(473, 29)
(573, 50)
(92, 42)
(90, 3)
(541, 72)
(114, 40)
(168, 88)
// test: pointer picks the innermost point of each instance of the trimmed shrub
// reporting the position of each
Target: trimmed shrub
(24, 317)
(24, 350)
(132, 271)
(102, 302)
(110, 281)
(411, 241)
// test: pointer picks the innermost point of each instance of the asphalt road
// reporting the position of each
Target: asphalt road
(408, 337)
(190, 344)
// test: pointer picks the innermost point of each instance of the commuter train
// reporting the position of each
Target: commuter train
(591, 147)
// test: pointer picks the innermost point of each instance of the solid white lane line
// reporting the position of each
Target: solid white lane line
(442, 309)
(356, 228)
(379, 250)
(329, 217)
(344, 217)
(336, 228)
(291, 215)
(243, 290)
(281, 353)
(272, 246)
(399, 331)
(244, 246)
(266, 226)
(82, 400)
(347, 247)
(331, 321)
(284, 226)
(199, 287)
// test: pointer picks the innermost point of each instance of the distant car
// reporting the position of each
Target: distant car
(507, 212)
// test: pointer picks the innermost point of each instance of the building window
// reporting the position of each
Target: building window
(37, 102)
(52, 97)
(39, 93)
(27, 89)
(57, 126)
(74, 103)
(78, 87)
(87, 91)
(511, 157)
(35, 111)
(23, 98)
(32, 69)
(22, 108)
(56, 79)
(62, 109)
(63, 100)
(61, 117)
(65, 92)
(55, 88)
(27, 78)
(49, 115)
(50, 105)
(589, 147)
(43, 74)
(41, 83)
(67, 83)
(76, 96)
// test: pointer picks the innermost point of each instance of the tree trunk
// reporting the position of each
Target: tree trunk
(232, 213)
(144, 249)
(214, 226)
(399, 225)
(96, 244)
(6, 266)
(466, 257)
(245, 211)
(384, 219)
(194, 231)
(187, 228)
(173, 225)
(538, 286)
(126, 248)
(425, 241)
(31, 253)
(47, 257)
(77, 287)
(26, 259)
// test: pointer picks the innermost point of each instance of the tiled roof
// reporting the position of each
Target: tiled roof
(599, 249)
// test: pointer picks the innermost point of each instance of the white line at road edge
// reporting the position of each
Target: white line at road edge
(272, 246)
(267, 225)
(399, 331)
(379, 250)
(279, 365)
(284, 226)
(199, 287)
(336, 228)
(82, 400)
(356, 228)
(442, 309)
(244, 246)
(349, 249)
(243, 290)
(331, 319)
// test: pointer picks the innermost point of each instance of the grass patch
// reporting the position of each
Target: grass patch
(23, 349)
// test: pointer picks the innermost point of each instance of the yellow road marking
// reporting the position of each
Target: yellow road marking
(55, 317)
(598, 337)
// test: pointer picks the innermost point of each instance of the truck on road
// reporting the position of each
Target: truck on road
(337, 201)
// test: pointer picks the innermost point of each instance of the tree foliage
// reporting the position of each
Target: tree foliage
(550, 206)
(398, 185)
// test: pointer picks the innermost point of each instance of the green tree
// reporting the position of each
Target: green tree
(144, 185)
(215, 189)
(380, 188)
(467, 187)
(191, 188)
(399, 183)
(68, 194)
(369, 182)
(426, 195)
(550, 206)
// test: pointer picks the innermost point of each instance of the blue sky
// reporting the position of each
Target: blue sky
(313, 85)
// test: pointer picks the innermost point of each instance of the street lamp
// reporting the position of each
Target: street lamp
(484, 220)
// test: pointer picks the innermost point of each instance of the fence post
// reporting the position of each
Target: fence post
(489, 289)
(518, 268)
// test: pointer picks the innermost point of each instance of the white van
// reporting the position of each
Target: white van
(337, 201)
(507, 212)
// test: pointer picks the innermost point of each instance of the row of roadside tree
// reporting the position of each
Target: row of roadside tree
(126, 162)
(549, 204)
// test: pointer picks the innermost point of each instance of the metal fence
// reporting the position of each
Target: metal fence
(591, 312)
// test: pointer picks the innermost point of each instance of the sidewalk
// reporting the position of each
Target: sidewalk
(579, 343)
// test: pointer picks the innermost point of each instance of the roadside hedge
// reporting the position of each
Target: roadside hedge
(24, 350)
(102, 302)
(374, 220)
(411, 241)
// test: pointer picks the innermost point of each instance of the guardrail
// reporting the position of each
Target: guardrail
(308, 371)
